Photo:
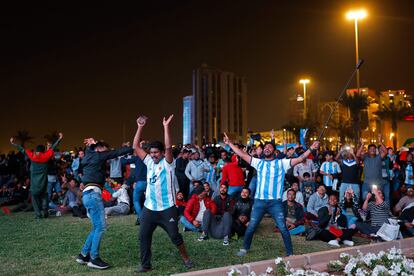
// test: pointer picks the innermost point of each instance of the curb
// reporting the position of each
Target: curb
(316, 260)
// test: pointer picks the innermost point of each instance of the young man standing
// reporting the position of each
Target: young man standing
(268, 197)
(159, 207)
(94, 169)
(38, 175)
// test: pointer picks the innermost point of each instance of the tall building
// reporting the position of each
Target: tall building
(188, 120)
(220, 105)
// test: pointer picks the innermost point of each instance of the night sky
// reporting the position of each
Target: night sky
(90, 71)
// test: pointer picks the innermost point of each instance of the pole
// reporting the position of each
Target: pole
(325, 126)
(304, 102)
(357, 53)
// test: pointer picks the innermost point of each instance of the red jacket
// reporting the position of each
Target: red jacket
(41, 157)
(232, 173)
(193, 207)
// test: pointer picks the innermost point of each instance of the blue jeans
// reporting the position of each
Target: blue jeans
(345, 186)
(140, 187)
(187, 224)
(94, 205)
(297, 230)
(386, 190)
(53, 186)
(275, 209)
(234, 190)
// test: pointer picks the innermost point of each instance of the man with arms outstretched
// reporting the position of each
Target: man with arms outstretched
(94, 169)
(159, 207)
(269, 190)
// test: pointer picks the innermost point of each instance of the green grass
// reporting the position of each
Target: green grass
(50, 247)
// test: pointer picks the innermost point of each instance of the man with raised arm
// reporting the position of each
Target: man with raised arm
(38, 175)
(269, 190)
(94, 169)
(159, 206)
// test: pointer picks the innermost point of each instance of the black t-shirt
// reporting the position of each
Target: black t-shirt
(350, 172)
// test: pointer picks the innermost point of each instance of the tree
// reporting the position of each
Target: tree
(52, 136)
(342, 129)
(23, 137)
(394, 114)
(295, 127)
(356, 103)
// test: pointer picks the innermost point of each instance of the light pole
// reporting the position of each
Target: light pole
(356, 15)
(304, 82)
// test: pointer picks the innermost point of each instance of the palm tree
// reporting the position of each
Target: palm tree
(52, 136)
(23, 137)
(295, 127)
(356, 103)
(394, 114)
(342, 129)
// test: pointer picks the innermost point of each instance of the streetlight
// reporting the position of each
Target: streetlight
(356, 15)
(304, 82)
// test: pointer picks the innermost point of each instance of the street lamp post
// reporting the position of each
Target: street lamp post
(304, 82)
(356, 15)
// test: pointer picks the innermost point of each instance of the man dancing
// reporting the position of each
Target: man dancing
(94, 168)
(38, 175)
(159, 207)
(269, 190)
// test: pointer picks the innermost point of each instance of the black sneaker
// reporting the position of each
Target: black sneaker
(188, 264)
(142, 270)
(98, 264)
(138, 222)
(83, 259)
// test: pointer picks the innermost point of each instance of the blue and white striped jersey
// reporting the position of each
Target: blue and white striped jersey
(160, 192)
(270, 177)
(331, 168)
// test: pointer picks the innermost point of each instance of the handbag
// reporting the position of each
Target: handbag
(389, 231)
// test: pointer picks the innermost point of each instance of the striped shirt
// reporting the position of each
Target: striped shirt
(408, 173)
(330, 168)
(379, 213)
(210, 176)
(160, 192)
(270, 177)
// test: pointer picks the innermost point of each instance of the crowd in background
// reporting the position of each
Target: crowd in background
(330, 196)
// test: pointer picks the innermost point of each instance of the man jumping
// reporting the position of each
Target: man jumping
(159, 207)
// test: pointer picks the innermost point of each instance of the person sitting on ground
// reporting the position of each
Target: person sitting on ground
(5, 196)
(207, 188)
(405, 201)
(293, 212)
(316, 201)
(333, 224)
(196, 208)
(241, 214)
(122, 202)
(195, 184)
(219, 227)
(377, 209)
(350, 208)
(407, 221)
(299, 195)
(308, 188)
(180, 203)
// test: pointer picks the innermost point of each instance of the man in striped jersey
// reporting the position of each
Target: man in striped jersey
(330, 170)
(159, 206)
(269, 190)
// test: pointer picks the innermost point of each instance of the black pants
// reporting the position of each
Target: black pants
(40, 202)
(167, 220)
(238, 228)
(327, 236)
(217, 226)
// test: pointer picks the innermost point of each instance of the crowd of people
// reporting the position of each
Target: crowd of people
(219, 191)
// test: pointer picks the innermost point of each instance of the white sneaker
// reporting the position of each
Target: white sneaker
(333, 243)
(348, 243)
